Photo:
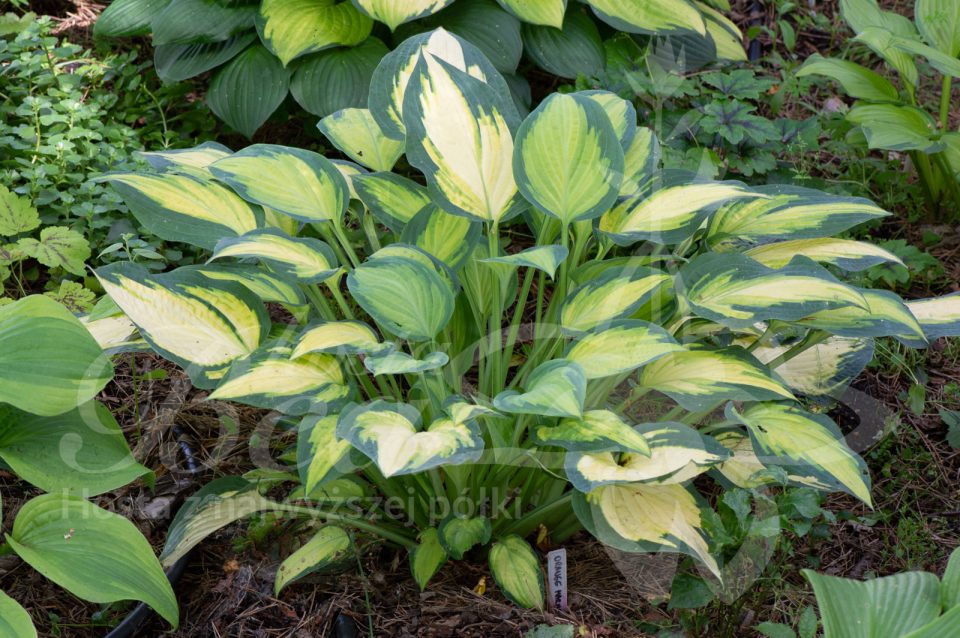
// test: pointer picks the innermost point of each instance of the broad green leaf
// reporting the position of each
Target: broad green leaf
(616, 294)
(516, 568)
(883, 40)
(328, 548)
(338, 337)
(449, 238)
(649, 16)
(389, 434)
(266, 285)
(92, 553)
(885, 315)
(298, 183)
(896, 128)
(950, 585)
(544, 12)
(805, 444)
(669, 215)
(58, 247)
(178, 62)
(737, 291)
(568, 50)
(393, 13)
(302, 258)
(641, 159)
(184, 208)
(939, 316)
(397, 362)
(393, 199)
(825, 369)
(857, 81)
(867, 19)
(80, 452)
(698, 379)
(125, 18)
(939, 22)
(546, 258)
(357, 134)
(200, 324)
(554, 388)
(319, 452)
(15, 622)
(622, 346)
(846, 254)
(190, 21)
(427, 557)
(247, 91)
(186, 159)
(406, 297)
(49, 363)
(596, 431)
(291, 28)
(575, 177)
(646, 518)
(335, 79)
(17, 214)
(459, 535)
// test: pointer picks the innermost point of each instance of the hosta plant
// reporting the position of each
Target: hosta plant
(550, 334)
(893, 119)
(323, 52)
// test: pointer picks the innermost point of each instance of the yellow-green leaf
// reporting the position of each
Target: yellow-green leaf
(596, 431)
(302, 258)
(842, 253)
(338, 337)
(357, 134)
(427, 557)
(554, 388)
(326, 549)
(393, 13)
(449, 238)
(291, 28)
(545, 12)
(393, 199)
(516, 568)
(615, 294)
(623, 346)
(653, 17)
(319, 451)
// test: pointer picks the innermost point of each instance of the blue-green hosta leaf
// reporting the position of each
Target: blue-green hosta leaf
(698, 379)
(392, 199)
(339, 337)
(545, 258)
(406, 297)
(178, 62)
(544, 12)
(622, 346)
(857, 81)
(427, 557)
(270, 379)
(291, 28)
(319, 451)
(790, 212)
(80, 452)
(669, 215)
(389, 434)
(568, 50)
(896, 128)
(92, 553)
(677, 453)
(843, 253)
(825, 369)
(649, 16)
(328, 548)
(125, 18)
(596, 431)
(357, 134)
(805, 444)
(15, 622)
(615, 294)
(736, 291)
(516, 569)
(200, 324)
(246, 92)
(640, 161)
(49, 362)
(185, 208)
(335, 79)
(574, 177)
(939, 316)
(298, 183)
(397, 362)
(460, 136)
(186, 159)
(268, 286)
(302, 258)
(393, 13)
(643, 518)
(449, 238)
(459, 535)
(884, 315)
(190, 21)
(554, 388)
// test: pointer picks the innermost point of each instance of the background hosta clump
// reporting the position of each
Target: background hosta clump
(489, 339)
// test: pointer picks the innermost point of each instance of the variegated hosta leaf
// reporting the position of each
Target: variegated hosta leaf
(389, 434)
(677, 454)
(427, 557)
(884, 315)
(393, 199)
(188, 160)
(554, 388)
(573, 177)
(388, 86)
(291, 28)
(201, 324)
(745, 470)
(268, 286)
(726, 37)
(516, 569)
(407, 297)
(736, 291)
(698, 379)
(460, 409)
(271, 379)
(809, 445)
(825, 369)
(397, 362)
(459, 535)
(339, 337)
(114, 333)
(643, 518)
(791, 212)
(302, 258)
(295, 182)
(624, 345)
(939, 317)
(669, 215)
(640, 161)
(357, 134)
(319, 452)
(596, 431)
(617, 293)
(621, 113)
(545, 12)
(393, 13)
(327, 549)
(842, 253)
(460, 135)
(653, 17)
(185, 208)
(349, 171)
(449, 238)
(545, 258)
